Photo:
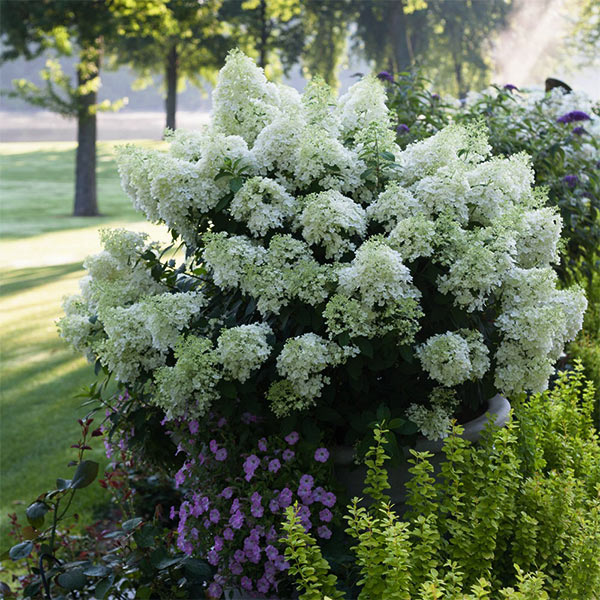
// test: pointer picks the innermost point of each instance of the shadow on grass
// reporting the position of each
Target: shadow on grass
(16, 281)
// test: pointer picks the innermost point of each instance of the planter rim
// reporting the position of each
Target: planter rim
(498, 408)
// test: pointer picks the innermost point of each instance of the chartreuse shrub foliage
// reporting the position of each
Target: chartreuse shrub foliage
(517, 516)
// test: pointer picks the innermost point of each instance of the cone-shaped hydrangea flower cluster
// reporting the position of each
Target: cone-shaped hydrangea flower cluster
(317, 248)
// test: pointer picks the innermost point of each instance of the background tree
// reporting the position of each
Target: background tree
(459, 40)
(268, 30)
(448, 41)
(325, 32)
(190, 47)
(88, 29)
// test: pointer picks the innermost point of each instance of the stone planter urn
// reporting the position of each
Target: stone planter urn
(352, 476)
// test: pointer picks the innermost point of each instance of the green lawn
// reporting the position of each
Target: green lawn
(41, 252)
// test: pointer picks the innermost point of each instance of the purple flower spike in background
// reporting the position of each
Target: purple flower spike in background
(574, 115)
(402, 128)
(579, 130)
(509, 87)
(385, 76)
(571, 180)
(321, 455)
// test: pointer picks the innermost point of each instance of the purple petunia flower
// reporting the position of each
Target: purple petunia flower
(246, 583)
(239, 556)
(235, 567)
(173, 513)
(237, 519)
(571, 180)
(318, 493)
(326, 515)
(262, 585)
(214, 515)
(285, 497)
(221, 422)
(179, 477)
(324, 532)
(288, 454)
(215, 590)
(509, 87)
(307, 481)
(329, 499)
(273, 505)
(213, 446)
(321, 455)
(262, 444)
(218, 543)
(292, 438)
(271, 552)
(194, 427)
(221, 454)
(228, 534)
(385, 76)
(274, 465)
(574, 115)
(402, 128)
(235, 506)
(227, 492)
(213, 558)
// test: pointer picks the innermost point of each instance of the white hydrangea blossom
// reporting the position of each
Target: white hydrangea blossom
(263, 204)
(189, 388)
(364, 103)
(538, 237)
(413, 237)
(135, 166)
(78, 325)
(445, 192)
(536, 321)
(244, 102)
(167, 314)
(229, 258)
(497, 185)
(116, 276)
(392, 205)
(302, 362)
(243, 349)
(330, 219)
(127, 349)
(377, 274)
(449, 148)
(453, 358)
(435, 422)
(322, 159)
(288, 271)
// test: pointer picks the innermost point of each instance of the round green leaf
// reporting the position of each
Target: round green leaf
(86, 472)
(22, 550)
(72, 580)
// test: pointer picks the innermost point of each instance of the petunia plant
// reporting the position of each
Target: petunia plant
(324, 271)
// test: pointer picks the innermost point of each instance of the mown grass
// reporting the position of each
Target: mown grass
(41, 254)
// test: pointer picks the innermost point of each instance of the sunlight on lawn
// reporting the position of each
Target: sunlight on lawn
(41, 255)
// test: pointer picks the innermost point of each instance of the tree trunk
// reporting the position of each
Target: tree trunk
(264, 34)
(86, 204)
(399, 37)
(171, 80)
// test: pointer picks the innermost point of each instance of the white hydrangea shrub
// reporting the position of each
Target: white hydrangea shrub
(324, 264)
